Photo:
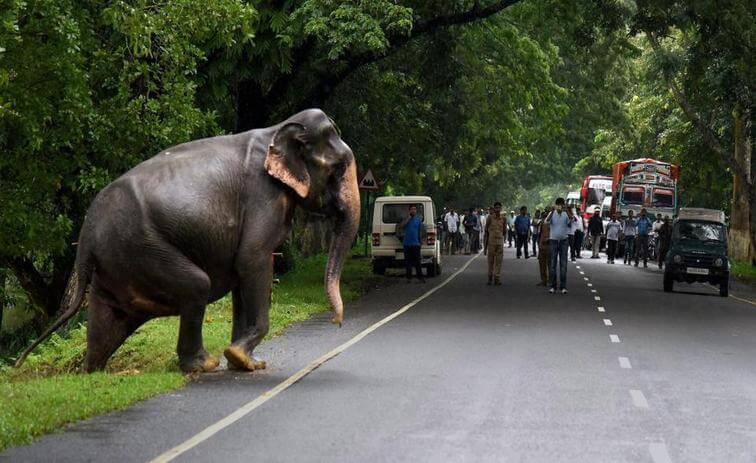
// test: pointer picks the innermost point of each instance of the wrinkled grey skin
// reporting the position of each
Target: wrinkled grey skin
(198, 220)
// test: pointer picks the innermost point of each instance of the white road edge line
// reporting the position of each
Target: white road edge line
(291, 380)
(659, 452)
(625, 363)
(639, 400)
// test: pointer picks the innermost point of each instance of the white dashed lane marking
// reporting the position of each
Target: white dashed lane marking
(614, 338)
(597, 298)
(593, 290)
(601, 309)
(585, 278)
(607, 322)
(625, 363)
(659, 452)
(639, 400)
(590, 284)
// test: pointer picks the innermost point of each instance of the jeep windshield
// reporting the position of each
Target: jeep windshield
(700, 231)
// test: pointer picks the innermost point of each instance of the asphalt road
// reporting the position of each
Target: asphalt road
(471, 373)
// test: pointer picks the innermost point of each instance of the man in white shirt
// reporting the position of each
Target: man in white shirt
(452, 226)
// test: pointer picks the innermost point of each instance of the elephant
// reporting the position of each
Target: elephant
(202, 219)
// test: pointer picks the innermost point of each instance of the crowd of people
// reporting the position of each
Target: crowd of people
(554, 236)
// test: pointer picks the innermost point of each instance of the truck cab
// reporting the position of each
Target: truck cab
(698, 251)
(387, 249)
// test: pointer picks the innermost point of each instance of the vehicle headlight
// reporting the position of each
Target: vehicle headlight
(719, 262)
(677, 259)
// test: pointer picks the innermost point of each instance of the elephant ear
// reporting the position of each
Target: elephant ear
(285, 161)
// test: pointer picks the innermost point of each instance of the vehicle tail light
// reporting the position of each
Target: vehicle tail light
(431, 237)
(376, 239)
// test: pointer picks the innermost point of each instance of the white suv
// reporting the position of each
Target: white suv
(388, 251)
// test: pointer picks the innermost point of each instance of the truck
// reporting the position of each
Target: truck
(595, 189)
(645, 183)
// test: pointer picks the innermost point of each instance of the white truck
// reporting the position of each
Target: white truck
(387, 250)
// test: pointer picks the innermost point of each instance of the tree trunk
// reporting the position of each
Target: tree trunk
(312, 234)
(743, 215)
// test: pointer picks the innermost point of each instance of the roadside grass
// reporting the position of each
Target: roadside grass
(744, 271)
(49, 391)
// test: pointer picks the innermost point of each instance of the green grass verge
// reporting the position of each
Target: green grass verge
(48, 391)
(744, 271)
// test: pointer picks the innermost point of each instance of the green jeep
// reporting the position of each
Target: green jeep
(698, 252)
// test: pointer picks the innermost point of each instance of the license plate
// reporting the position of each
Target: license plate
(698, 271)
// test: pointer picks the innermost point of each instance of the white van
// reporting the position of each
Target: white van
(388, 251)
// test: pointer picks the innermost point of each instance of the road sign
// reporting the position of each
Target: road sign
(368, 182)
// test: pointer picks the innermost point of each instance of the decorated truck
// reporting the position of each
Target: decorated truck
(645, 183)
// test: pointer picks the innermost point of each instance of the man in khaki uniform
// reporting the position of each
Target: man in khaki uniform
(544, 256)
(496, 226)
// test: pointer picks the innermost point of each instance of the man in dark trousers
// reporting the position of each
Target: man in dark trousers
(411, 231)
(665, 240)
(596, 229)
(522, 231)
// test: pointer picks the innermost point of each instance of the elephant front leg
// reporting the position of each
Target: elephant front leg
(192, 355)
(251, 319)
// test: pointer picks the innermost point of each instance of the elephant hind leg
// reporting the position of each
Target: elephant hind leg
(107, 328)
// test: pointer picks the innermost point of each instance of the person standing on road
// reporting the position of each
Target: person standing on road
(664, 236)
(510, 227)
(493, 243)
(629, 230)
(613, 230)
(559, 224)
(544, 256)
(482, 217)
(535, 230)
(452, 225)
(472, 228)
(411, 231)
(579, 234)
(596, 229)
(522, 230)
(571, 233)
(655, 235)
(643, 227)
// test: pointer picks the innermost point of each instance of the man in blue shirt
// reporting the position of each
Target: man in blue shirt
(411, 231)
(522, 230)
(643, 226)
(559, 225)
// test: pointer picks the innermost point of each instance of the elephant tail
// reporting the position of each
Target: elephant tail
(72, 298)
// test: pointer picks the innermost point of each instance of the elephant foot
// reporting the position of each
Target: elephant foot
(202, 363)
(238, 359)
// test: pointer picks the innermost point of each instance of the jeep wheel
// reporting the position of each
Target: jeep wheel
(669, 283)
(430, 270)
(724, 288)
(379, 268)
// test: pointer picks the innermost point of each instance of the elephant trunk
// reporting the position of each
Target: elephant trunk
(347, 199)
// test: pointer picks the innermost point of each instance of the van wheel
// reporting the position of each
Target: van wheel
(669, 283)
(379, 268)
(430, 270)
(724, 288)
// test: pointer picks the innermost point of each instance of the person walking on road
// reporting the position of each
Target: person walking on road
(411, 231)
(535, 228)
(559, 224)
(493, 243)
(596, 229)
(664, 237)
(544, 256)
(613, 230)
(452, 226)
(643, 228)
(522, 230)
(628, 231)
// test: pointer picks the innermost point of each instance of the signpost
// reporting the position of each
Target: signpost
(368, 184)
